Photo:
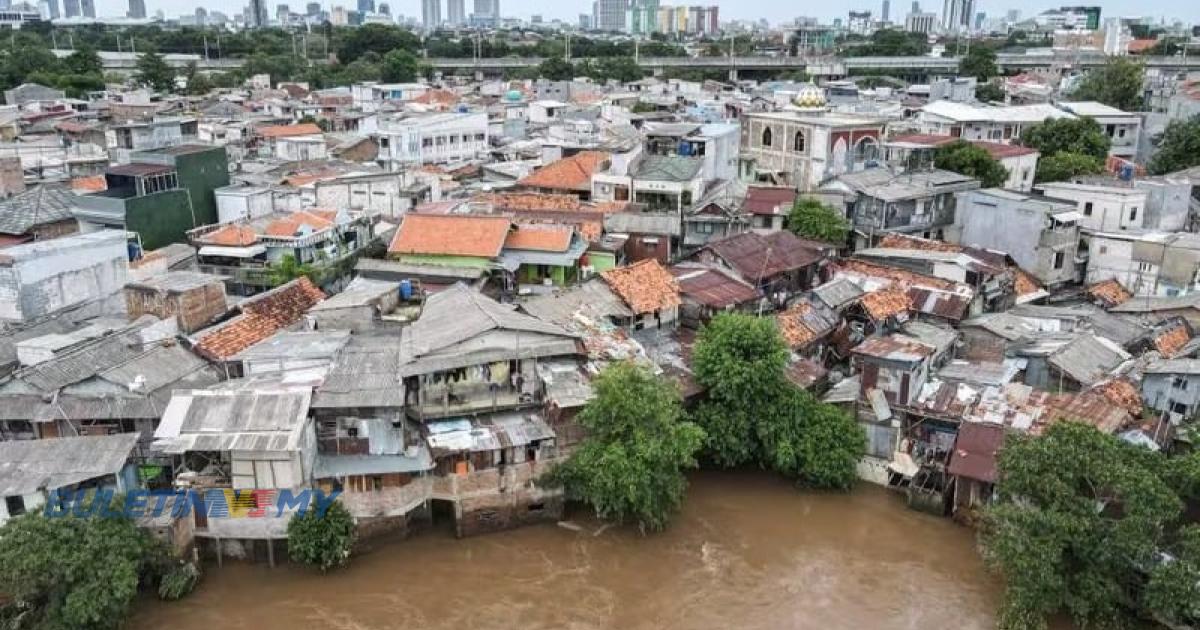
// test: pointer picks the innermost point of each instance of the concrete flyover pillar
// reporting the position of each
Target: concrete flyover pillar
(733, 75)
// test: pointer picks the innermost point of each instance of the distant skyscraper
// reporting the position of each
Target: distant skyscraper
(431, 13)
(282, 13)
(1013, 16)
(137, 9)
(49, 9)
(486, 12)
(71, 8)
(916, 7)
(609, 15)
(89, 8)
(957, 14)
(338, 16)
(585, 22)
(384, 9)
(980, 18)
(366, 6)
(456, 12)
(256, 14)
(886, 11)
(312, 9)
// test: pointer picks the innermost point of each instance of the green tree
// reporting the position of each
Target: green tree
(74, 572)
(1083, 522)
(400, 66)
(810, 218)
(965, 158)
(1068, 135)
(630, 466)
(322, 540)
(154, 72)
(989, 93)
(751, 413)
(1178, 147)
(1061, 167)
(377, 38)
(980, 63)
(1118, 83)
(556, 69)
(84, 60)
(287, 269)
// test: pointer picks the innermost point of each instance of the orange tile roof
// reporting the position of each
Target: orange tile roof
(1142, 45)
(1122, 393)
(886, 302)
(261, 317)
(289, 131)
(530, 201)
(231, 235)
(572, 173)
(645, 286)
(902, 276)
(292, 224)
(95, 183)
(791, 325)
(438, 97)
(1024, 283)
(903, 241)
(451, 235)
(542, 238)
(1109, 293)
(1172, 340)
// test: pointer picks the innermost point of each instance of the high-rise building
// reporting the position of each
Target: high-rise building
(957, 14)
(201, 16)
(924, 23)
(487, 13)
(338, 16)
(431, 13)
(49, 9)
(366, 6)
(71, 8)
(282, 13)
(609, 15)
(137, 9)
(979, 20)
(256, 14)
(456, 12)
(886, 12)
(385, 9)
(88, 7)
(642, 17)
(916, 7)
(1013, 16)
(312, 9)
(585, 22)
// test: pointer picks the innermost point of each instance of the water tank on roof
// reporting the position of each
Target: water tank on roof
(513, 96)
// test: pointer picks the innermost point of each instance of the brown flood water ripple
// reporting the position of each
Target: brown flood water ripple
(748, 551)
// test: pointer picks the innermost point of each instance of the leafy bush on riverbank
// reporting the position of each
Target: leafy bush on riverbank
(630, 466)
(1094, 527)
(753, 414)
(178, 580)
(74, 572)
(322, 540)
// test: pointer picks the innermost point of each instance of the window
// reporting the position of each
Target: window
(1121, 132)
(798, 143)
(383, 142)
(1179, 408)
(1145, 267)
(1103, 249)
(426, 142)
(1179, 382)
(1059, 258)
(15, 505)
(1087, 209)
(766, 137)
(1133, 214)
(1111, 130)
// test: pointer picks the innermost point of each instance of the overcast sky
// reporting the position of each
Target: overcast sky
(774, 10)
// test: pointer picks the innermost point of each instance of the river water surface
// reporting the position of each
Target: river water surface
(748, 551)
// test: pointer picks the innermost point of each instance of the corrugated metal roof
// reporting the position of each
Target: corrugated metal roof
(27, 466)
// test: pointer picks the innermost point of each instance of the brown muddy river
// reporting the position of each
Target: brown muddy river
(748, 551)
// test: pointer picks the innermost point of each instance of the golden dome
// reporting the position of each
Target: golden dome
(809, 97)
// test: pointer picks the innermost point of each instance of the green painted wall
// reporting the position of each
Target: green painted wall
(201, 173)
(160, 219)
(602, 261)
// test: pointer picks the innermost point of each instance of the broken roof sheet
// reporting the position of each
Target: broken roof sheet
(975, 450)
(234, 420)
(1088, 359)
(757, 256)
(711, 286)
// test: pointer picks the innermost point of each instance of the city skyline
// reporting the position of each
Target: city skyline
(744, 10)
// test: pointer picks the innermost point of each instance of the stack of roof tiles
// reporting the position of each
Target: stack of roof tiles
(645, 286)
